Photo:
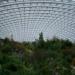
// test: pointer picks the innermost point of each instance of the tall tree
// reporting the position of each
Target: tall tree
(41, 40)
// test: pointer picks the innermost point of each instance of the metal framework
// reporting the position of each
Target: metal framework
(25, 19)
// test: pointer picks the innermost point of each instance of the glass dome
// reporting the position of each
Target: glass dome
(25, 19)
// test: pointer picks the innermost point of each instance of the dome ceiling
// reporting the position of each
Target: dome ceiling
(25, 19)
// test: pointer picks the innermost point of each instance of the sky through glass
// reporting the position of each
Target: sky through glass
(25, 19)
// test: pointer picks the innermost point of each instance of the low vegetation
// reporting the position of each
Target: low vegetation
(51, 57)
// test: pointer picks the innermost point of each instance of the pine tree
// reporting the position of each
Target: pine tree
(41, 40)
